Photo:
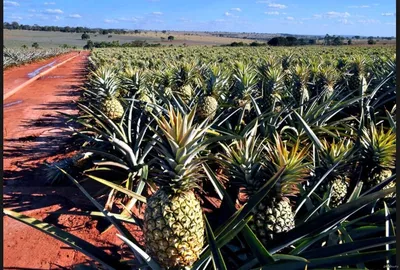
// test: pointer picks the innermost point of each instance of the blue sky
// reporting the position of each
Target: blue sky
(340, 17)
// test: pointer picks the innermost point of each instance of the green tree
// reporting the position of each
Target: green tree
(349, 42)
(35, 45)
(170, 38)
(85, 36)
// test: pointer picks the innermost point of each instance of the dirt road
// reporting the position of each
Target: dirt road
(34, 132)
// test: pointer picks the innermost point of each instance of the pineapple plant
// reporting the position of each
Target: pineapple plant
(357, 69)
(338, 180)
(184, 77)
(244, 85)
(215, 82)
(244, 165)
(378, 154)
(300, 75)
(271, 85)
(173, 221)
(104, 80)
(329, 78)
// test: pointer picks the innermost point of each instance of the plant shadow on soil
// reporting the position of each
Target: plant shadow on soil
(24, 186)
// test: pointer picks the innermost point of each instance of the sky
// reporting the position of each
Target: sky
(308, 17)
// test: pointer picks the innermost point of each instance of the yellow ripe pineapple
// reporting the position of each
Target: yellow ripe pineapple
(378, 154)
(173, 221)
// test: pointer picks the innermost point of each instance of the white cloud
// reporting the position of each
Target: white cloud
(49, 3)
(236, 9)
(110, 21)
(290, 18)
(318, 16)
(32, 10)
(263, 2)
(10, 4)
(54, 11)
(219, 20)
(362, 6)
(228, 14)
(334, 14)
(157, 13)
(388, 14)
(391, 23)
(345, 21)
(271, 12)
(15, 18)
(279, 6)
(133, 19)
(76, 16)
(368, 21)
(57, 18)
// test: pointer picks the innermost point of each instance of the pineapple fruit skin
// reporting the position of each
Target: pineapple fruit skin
(271, 217)
(339, 191)
(112, 108)
(207, 107)
(174, 228)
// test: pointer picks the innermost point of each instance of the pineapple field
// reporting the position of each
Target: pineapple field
(16, 57)
(236, 158)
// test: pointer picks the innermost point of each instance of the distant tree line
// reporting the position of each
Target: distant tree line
(66, 29)
(104, 44)
(276, 41)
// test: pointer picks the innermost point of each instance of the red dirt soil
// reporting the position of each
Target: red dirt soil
(15, 76)
(34, 132)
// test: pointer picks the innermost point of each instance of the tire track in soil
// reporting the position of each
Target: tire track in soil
(34, 133)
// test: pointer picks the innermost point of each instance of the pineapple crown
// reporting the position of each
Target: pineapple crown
(215, 80)
(378, 147)
(242, 162)
(178, 144)
(244, 80)
(296, 170)
(271, 79)
(105, 81)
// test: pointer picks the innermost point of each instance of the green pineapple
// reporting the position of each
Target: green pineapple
(357, 69)
(245, 168)
(338, 180)
(184, 77)
(271, 84)
(329, 77)
(173, 221)
(300, 75)
(244, 85)
(378, 154)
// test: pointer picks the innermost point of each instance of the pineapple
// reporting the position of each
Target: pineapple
(329, 77)
(271, 84)
(215, 82)
(300, 75)
(244, 165)
(173, 221)
(183, 79)
(105, 81)
(357, 68)
(378, 154)
(338, 180)
(244, 85)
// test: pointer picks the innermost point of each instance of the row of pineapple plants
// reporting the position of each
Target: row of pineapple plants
(16, 57)
(299, 152)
